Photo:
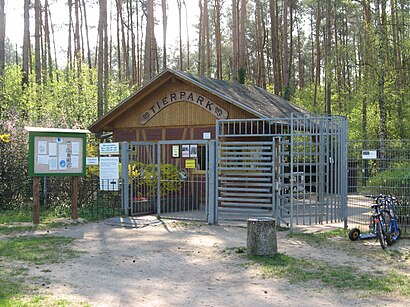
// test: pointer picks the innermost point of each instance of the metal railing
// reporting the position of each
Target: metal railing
(374, 168)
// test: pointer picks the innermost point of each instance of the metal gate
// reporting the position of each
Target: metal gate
(172, 179)
(246, 179)
(292, 169)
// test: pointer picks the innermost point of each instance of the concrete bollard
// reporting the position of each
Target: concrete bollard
(261, 239)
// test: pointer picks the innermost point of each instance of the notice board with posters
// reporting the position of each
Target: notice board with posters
(57, 152)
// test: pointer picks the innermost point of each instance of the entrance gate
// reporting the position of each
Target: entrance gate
(172, 179)
(246, 179)
(292, 169)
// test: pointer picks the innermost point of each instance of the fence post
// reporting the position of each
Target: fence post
(125, 199)
(212, 202)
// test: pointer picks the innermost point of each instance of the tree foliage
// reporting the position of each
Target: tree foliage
(341, 57)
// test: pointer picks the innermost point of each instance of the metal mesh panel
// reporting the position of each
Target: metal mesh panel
(307, 180)
(169, 179)
(376, 167)
(183, 183)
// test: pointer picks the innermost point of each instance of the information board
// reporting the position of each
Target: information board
(53, 153)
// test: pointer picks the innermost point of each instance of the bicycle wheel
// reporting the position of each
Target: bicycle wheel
(387, 227)
(381, 235)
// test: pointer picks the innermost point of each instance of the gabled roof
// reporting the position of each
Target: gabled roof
(252, 99)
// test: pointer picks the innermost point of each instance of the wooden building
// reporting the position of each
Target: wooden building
(177, 105)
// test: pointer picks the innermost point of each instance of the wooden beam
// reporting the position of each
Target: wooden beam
(74, 198)
(36, 200)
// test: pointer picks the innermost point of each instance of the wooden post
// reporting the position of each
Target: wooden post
(36, 200)
(261, 239)
(74, 197)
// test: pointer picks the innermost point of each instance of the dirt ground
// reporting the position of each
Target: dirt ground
(155, 263)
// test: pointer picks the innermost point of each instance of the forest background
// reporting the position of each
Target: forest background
(339, 57)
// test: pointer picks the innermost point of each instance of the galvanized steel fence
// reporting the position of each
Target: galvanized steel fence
(374, 168)
(292, 169)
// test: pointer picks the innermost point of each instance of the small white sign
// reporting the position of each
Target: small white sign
(369, 154)
(206, 135)
(109, 148)
(91, 161)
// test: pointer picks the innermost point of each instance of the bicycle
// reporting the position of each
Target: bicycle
(378, 227)
(390, 218)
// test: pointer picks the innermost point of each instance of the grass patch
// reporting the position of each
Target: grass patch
(40, 301)
(17, 255)
(8, 217)
(38, 250)
(319, 237)
(13, 221)
(11, 283)
(343, 277)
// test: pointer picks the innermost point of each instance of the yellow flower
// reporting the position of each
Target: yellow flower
(5, 138)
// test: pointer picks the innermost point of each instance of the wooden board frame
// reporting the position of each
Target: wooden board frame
(35, 170)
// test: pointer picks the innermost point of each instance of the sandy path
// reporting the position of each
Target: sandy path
(173, 265)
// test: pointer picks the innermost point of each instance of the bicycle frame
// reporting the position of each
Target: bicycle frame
(390, 210)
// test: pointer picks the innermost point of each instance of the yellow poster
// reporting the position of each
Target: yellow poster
(190, 163)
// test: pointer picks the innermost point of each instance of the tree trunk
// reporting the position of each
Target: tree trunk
(150, 59)
(47, 41)
(100, 66)
(70, 27)
(301, 71)
(218, 39)
(54, 45)
(242, 41)
(207, 39)
(317, 70)
(188, 64)
(276, 64)
(77, 40)
(119, 58)
(261, 237)
(285, 51)
(26, 42)
(86, 35)
(180, 34)
(164, 31)
(260, 41)
(106, 59)
(133, 51)
(382, 33)
(2, 41)
(328, 73)
(235, 42)
(366, 61)
(37, 39)
(201, 45)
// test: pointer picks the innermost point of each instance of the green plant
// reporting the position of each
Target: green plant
(11, 282)
(319, 237)
(330, 274)
(17, 254)
(38, 250)
(146, 175)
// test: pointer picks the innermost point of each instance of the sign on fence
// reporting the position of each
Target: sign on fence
(109, 148)
(109, 173)
(369, 154)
